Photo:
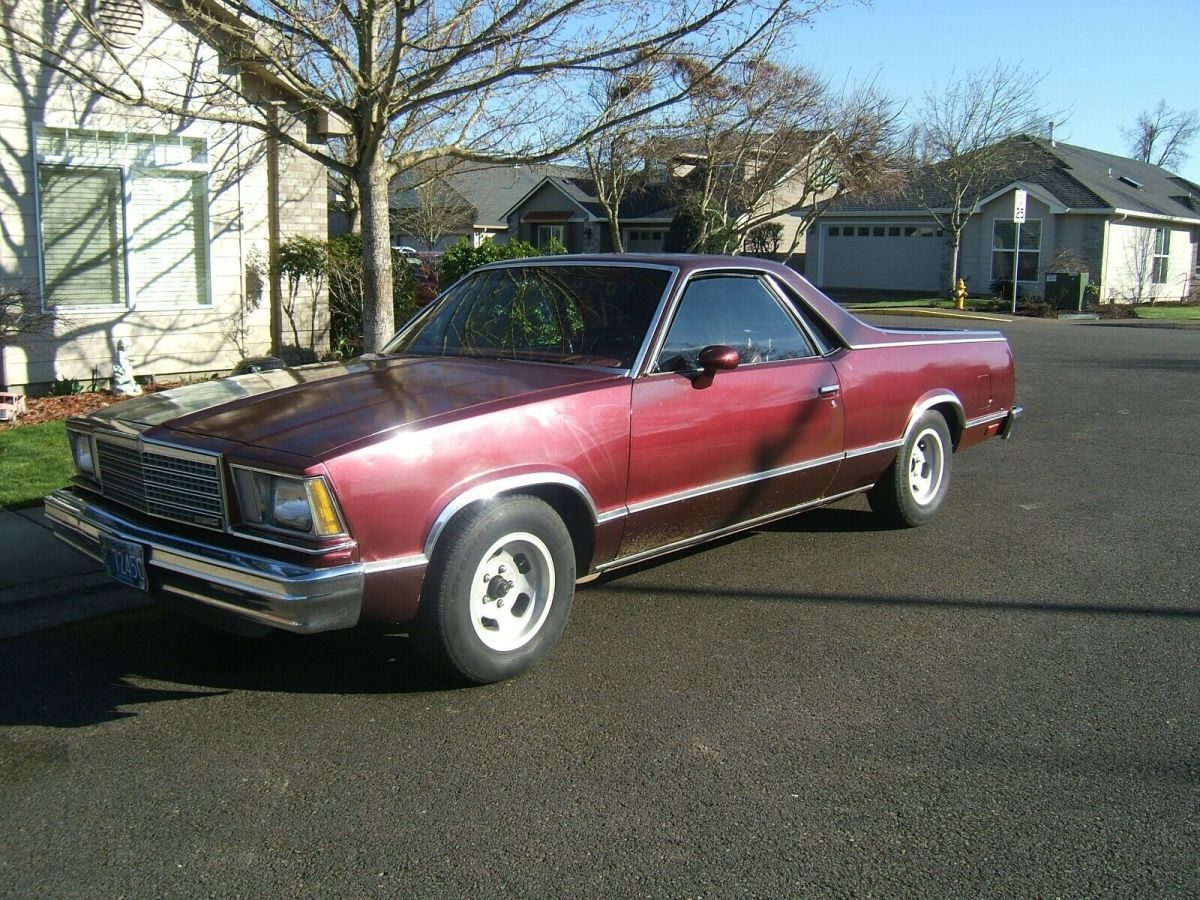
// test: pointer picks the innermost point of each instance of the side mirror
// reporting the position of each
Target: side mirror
(718, 358)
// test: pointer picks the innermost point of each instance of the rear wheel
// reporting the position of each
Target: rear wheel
(498, 594)
(913, 489)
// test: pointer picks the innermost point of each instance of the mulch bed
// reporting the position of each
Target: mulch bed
(51, 409)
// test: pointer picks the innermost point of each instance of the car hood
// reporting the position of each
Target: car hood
(315, 410)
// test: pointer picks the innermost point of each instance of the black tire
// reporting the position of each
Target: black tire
(914, 487)
(498, 592)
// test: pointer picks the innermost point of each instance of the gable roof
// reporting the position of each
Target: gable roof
(491, 190)
(1080, 179)
(652, 201)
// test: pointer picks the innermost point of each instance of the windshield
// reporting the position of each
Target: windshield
(589, 315)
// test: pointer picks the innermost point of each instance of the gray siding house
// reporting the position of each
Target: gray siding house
(1133, 227)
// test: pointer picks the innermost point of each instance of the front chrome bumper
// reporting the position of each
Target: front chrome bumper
(279, 594)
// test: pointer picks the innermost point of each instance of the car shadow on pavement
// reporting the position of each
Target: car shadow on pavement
(93, 671)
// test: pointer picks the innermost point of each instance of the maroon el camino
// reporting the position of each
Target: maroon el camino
(542, 422)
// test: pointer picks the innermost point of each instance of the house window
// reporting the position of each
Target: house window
(893, 231)
(1028, 256)
(1162, 253)
(123, 218)
(834, 231)
(877, 231)
(548, 233)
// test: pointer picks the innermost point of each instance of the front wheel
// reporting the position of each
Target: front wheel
(913, 489)
(499, 590)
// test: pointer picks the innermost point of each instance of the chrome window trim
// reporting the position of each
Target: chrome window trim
(567, 261)
(791, 305)
(730, 483)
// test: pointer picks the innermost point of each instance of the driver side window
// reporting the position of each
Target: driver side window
(733, 311)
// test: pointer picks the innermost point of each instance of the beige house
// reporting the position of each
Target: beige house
(129, 226)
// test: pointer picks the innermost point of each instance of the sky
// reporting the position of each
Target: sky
(1104, 61)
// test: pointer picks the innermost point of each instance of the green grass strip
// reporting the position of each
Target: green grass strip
(34, 460)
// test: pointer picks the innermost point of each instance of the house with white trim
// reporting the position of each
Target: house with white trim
(1133, 227)
(566, 207)
(130, 226)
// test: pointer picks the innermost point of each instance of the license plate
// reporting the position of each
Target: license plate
(125, 561)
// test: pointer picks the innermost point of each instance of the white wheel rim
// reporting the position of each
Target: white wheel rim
(926, 465)
(512, 592)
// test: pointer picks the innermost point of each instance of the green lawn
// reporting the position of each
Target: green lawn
(34, 460)
(1177, 313)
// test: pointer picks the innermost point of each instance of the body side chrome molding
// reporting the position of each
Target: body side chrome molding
(987, 419)
(887, 345)
(874, 448)
(395, 563)
(730, 529)
(740, 481)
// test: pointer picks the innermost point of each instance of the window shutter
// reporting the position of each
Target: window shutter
(82, 235)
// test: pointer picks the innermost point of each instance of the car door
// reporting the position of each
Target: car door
(712, 450)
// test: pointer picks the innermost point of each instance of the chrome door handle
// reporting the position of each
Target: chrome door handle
(827, 390)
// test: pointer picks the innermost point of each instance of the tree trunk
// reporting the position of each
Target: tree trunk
(378, 320)
(955, 248)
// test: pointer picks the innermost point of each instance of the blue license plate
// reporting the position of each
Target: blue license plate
(125, 561)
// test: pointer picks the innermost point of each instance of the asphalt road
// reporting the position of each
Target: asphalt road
(1003, 703)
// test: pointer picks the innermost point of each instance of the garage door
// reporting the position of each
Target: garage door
(885, 257)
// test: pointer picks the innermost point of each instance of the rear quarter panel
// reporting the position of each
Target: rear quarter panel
(886, 382)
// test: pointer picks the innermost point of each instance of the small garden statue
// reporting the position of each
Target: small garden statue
(123, 382)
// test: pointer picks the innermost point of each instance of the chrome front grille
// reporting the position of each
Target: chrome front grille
(162, 481)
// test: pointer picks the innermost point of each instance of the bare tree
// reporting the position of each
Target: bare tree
(411, 82)
(768, 140)
(616, 157)
(966, 131)
(1161, 135)
(431, 210)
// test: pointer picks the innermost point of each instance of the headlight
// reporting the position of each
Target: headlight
(81, 452)
(302, 505)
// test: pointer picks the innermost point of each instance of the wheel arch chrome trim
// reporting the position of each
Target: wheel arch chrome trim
(939, 398)
(509, 485)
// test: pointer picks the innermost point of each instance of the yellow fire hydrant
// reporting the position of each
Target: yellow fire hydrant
(960, 294)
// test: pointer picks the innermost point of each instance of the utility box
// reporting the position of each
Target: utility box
(1065, 291)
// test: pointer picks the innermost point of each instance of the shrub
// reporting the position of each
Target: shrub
(65, 387)
(462, 257)
(344, 271)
